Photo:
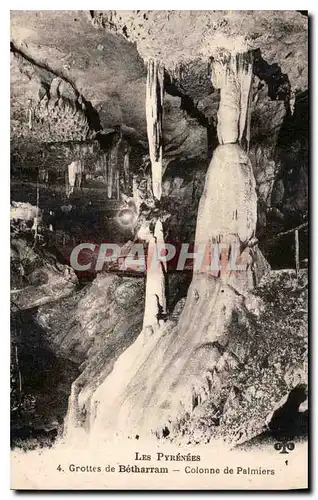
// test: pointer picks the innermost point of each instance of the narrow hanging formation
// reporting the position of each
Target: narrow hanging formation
(233, 76)
(74, 176)
(112, 165)
(155, 302)
(126, 168)
(43, 175)
(154, 108)
(36, 218)
(113, 171)
(244, 71)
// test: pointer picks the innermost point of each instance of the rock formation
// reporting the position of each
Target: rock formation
(123, 131)
(154, 107)
(156, 382)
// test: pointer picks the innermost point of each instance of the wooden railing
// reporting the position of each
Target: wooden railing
(296, 231)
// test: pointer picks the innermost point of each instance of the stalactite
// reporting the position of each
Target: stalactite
(292, 101)
(248, 119)
(233, 76)
(74, 176)
(106, 159)
(30, 118)
(244, 77)
(104, 167)
(297, 251)
(19, 371)
(108, 175)
(154, 107)
(70, 182)
(117, 184)
(36, 218)
(126, 170)
(112, 173)
(135, 193)
(43, 175)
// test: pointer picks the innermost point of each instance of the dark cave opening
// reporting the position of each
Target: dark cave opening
(40, 384)
(287, 427)
(278, 82)
(288, 422)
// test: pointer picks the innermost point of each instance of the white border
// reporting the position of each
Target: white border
(5, 181)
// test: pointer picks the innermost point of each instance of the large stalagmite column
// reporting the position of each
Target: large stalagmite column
(155, 303)
(228, 207)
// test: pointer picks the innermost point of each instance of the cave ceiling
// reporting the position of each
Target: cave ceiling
(76, 75)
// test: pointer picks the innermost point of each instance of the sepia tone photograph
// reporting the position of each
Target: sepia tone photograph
(159, 249)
